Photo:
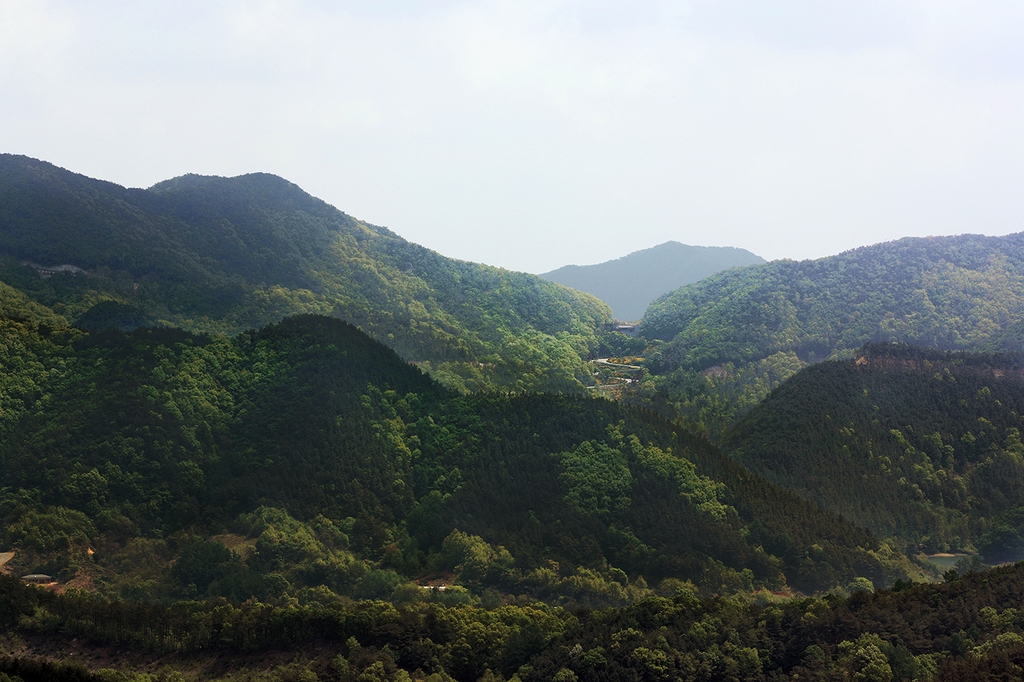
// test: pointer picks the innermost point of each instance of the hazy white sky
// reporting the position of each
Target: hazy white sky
(533, 134)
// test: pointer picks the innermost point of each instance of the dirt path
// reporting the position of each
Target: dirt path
(4, 558)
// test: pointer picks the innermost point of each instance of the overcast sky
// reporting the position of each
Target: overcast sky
(534, 134)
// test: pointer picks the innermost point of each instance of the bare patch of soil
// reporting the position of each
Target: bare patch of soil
(239, 544)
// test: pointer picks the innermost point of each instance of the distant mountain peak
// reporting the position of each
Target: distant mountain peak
(630, 283)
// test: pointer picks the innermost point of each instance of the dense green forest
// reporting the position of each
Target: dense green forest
(968, 628)
(629, 284)
(725, 341)
(255, 438)
(932, 439)
(307, 460)
(211, 254)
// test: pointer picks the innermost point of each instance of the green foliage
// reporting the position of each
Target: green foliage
(701, 491)
(616, 345)
(711, 401)
(344, 471)
(952, 293)
(228, 254)
(377, 584)
(1003, 541)
(965, 630)
(200, 563)
(113, 315)
(932, 439)
(597, 478)
(54, 530)
(472, 559)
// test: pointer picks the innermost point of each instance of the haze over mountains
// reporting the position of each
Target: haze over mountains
(187, 429)
(629, 284)
(190, 434)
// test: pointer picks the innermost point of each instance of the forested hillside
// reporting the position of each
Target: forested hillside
(332, 467)
(931, 438)
(969, 628)
(212, 254)
(730, 338)
(629, 284)
(238, 421)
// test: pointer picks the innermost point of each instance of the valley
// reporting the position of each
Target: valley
(253, 437)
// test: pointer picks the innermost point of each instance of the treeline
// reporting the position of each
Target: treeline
(968, 628)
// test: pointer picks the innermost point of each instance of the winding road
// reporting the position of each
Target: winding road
(604, 361)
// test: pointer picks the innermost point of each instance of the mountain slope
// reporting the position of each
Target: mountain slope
(341, 465)
(931, 440)
(630, 283)
(227, 254)
(728, 339)
(946, 292)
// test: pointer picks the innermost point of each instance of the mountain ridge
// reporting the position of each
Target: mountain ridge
(216, 254)
(721, 344)
(629, 283)
(932, 437)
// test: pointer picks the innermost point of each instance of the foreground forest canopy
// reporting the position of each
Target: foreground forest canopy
(213, 254)
(969, 628)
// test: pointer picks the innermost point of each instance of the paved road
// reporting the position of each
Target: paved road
(604, 361)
